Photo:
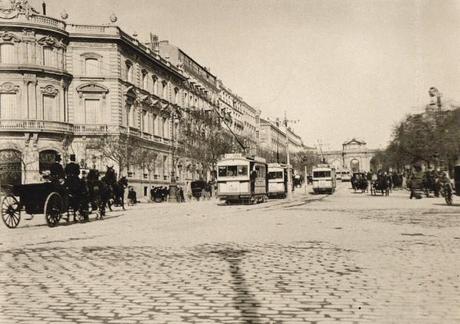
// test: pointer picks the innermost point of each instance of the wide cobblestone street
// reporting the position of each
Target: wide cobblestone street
(345, 258)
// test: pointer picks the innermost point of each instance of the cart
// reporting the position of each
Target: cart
(36, 198)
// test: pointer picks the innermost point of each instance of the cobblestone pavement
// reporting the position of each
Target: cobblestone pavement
(345, 258)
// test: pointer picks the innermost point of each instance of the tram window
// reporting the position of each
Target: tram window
(275, 175)
(321, 174)
(242, 170)
(233, 171)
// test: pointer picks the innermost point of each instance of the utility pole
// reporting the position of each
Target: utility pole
(288, 161)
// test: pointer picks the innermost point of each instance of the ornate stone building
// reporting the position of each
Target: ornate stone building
(64, 87)
(354, 156)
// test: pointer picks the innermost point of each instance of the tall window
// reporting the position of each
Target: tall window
(176, 96)
(129, 71)
(93, 111)
(165, 167)
(48, 56)
(7, 55)
(92, 66)
(145, 80)
(50, 110)
(132, 116)
(155, 85)
(8, 106)
(164, 93)
(154, 127)
(144, 121)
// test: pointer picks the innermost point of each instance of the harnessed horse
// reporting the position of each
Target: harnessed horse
(116, 188)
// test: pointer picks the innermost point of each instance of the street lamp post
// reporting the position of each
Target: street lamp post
(173, 185)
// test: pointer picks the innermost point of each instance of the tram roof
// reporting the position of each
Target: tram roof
(237, 156)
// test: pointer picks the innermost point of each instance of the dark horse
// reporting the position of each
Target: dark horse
(116, 188)
(98, 192)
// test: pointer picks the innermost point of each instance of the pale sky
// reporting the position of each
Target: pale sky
(343, 68)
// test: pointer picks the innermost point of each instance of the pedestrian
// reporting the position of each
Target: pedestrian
(72, 169)
(57, 173)
(181, 194)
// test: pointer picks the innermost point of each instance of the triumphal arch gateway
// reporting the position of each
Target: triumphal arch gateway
(354, 156)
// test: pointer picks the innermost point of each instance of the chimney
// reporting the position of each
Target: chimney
(44, 8)
(154, 43)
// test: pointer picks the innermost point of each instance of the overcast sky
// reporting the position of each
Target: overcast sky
(343, 68)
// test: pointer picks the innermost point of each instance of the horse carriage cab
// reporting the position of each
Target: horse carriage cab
(359, 181)
(36, 198)
(242, 179)
(197, 188)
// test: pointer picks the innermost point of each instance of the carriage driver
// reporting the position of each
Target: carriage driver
(72, 169)
(56, 170)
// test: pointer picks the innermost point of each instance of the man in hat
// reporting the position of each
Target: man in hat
(72, 169)
(56, 170)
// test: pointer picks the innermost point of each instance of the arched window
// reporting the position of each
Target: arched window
(92, 66)
(129, 71)
(11, 161)
(7, 55)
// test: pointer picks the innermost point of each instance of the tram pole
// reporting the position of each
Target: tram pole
(288, 161)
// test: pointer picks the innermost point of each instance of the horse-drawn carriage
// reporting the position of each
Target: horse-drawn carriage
(54, 199)
(381, 186)
(37, 198)
(359, 182)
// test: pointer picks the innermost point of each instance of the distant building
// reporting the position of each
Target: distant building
(272, 139)
(239, 117)
(354, 156)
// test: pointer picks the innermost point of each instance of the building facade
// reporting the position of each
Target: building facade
(354, 156)
(101, 94)
(239, 117)
(64, 87)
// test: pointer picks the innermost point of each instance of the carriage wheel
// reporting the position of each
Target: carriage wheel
(53, 209)
(11, 211)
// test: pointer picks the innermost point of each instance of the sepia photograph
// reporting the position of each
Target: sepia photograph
(230, 161)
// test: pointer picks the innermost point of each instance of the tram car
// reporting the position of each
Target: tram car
(242, 179)
(323, 179)
(278, 180)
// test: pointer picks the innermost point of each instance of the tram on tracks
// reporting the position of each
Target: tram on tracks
(323, 179)
(242, 179)
(278, 180)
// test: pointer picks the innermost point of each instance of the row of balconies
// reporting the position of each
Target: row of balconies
(45, 126)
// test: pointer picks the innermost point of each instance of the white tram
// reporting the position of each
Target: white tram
(278, 180)
(242, 179)
(323, 179)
